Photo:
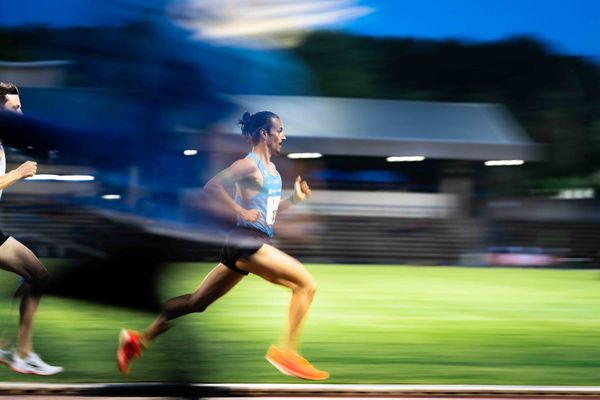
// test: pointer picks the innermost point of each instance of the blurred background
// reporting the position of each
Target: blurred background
(433, 133)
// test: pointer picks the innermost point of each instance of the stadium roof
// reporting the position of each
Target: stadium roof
(367, 127)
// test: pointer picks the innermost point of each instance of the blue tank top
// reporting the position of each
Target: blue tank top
(266, 201)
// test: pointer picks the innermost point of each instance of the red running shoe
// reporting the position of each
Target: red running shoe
(130, 347)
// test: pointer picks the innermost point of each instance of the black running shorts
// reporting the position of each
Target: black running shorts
(3, 237)
(242, 243)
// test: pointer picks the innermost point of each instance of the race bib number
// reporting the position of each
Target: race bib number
(272, 206)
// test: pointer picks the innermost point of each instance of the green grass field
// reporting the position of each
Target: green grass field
(368, 324)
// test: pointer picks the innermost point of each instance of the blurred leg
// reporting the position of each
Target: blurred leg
(17, 258)
(218, 282)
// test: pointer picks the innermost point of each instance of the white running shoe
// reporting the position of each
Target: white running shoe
(33, 364)
(6, 356)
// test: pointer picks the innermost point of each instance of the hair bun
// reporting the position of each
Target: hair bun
(244, 122)
(245, 118)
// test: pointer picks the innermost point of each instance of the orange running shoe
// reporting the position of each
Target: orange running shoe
(290, 363)
(277, 359)
(130, 347)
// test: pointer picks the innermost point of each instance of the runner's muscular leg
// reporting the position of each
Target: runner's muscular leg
(219, 281)
(17, 258)
(282, 269)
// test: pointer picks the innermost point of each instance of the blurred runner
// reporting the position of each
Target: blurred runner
(17, 258)
(248, 248)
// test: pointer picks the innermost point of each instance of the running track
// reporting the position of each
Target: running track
(139, 391)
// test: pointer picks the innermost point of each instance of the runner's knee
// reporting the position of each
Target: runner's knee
(38, 276)
(182, 305)
(30, 268)
(198, 306)
(307, 287)
(177, 306)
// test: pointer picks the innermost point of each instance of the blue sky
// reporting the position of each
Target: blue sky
(568, 26)
(60, 13)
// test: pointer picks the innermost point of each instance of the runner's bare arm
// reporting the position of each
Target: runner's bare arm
(218, 195)
(301, 192)
(24, 170)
